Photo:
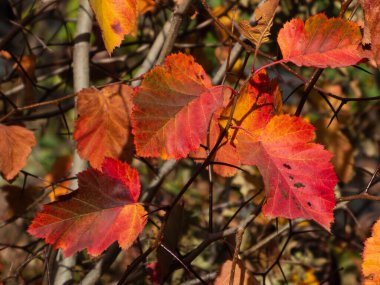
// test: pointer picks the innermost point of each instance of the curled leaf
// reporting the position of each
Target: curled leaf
(259, 32)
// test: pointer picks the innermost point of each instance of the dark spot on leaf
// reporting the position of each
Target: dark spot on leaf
(299, 185)
(202, 77)
(116, 27)
(287, 166)
(291, 177)
(284, 194)
(309, 204)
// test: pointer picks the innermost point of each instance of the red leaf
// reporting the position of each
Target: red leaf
(173, 107)
(102, 210)
(298, 176)
(15, 146)
(371, 264)
(103, 127)
(321, 42)
(258, 102)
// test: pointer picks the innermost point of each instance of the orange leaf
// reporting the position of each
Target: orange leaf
(15, 146)
(173, 107)
(321, 42)
(116, 18)
(372, 26)
(145, 6)
(241, 277)
(61, 169)
(104, 209)
(258, 102)
(103, 127)
(298, 176)
(371, 253)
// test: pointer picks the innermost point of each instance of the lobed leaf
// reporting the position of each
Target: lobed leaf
(298, 176)
(15, 146)
(321, 42)
(103, 128)
(104, 209)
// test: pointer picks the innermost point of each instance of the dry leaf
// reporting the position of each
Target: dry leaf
(259, 33)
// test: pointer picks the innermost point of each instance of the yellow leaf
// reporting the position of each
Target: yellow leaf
(116, 18)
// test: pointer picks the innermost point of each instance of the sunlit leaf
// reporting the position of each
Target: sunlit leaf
(321, 42)
(116, 18)
(371, 253)
(173, 107)
(298, 176)
(104, 209)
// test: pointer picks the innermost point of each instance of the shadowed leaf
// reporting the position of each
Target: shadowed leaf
(15, 146)
(259, 33)
(372, 27)
(103, 127)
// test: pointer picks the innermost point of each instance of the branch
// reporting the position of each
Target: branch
(81, 74)
(175, 23)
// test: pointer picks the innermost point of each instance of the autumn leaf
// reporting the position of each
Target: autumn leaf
(371, 253)
(116, 18)
(173, 107)
(226, 152)
(298, 176)
(321, 42)
(60, 170)
(339, 144)
(103, 127)
(17, 200)
(372, 26)
(145, 6)
(259, 33)
(104, 209)
(15, 146)
(241, 276)
(258, 102)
